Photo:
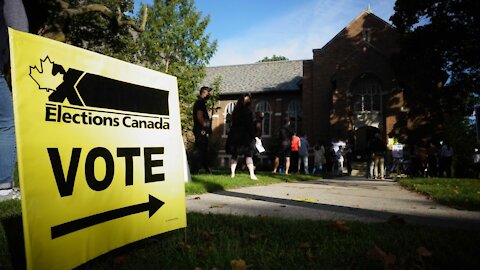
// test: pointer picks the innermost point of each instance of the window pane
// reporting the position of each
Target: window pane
(294, 113)
(266, 124)
(367, 95)
(228, 117)
(264, 107)
(376, 102)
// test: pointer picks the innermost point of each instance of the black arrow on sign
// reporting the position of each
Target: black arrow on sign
(151, 206)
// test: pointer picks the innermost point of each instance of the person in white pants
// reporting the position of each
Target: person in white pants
(241, 137)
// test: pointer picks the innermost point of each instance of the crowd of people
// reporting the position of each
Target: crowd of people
(291, 150)
(432, 160)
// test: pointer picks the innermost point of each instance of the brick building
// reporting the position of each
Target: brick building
(347, 92)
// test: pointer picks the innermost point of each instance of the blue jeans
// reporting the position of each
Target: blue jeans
(304, 161)
(8, 154)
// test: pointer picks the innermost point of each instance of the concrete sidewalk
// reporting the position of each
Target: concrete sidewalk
(348, 198)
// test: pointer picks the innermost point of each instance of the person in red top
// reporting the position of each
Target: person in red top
(294, 154)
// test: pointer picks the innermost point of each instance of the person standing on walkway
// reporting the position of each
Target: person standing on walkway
(348, 154)
(284, 137)
(432, 157)
(340, 159)
(202, 128)
(303, 153)
(369, 157)
(241, 138)
(294, 153)
(446, 156)
(319, 159)
(331, 159)
(12, 14)
(379, 149)
(476, 163)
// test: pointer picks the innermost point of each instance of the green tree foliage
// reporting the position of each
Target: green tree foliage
(175, 42)
(439, 41)
(172, 40)
(105, 26)
(451, 31)
(438, 67)
(273, 58)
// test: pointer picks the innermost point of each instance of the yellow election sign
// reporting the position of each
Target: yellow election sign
(99, 150)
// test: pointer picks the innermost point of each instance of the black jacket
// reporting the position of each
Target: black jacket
(4, 54)
(378, 147)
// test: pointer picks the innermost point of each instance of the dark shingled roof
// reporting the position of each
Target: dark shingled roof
(258, 77)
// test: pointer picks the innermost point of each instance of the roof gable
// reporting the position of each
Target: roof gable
(258, 77)
(366, 17)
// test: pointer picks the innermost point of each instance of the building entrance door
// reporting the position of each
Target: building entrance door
(362, 136)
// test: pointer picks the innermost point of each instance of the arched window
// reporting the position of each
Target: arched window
(264, 107)
(227, 116)
(367, 95)
(295, 113)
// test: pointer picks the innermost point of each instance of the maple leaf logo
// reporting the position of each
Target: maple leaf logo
(45, 76)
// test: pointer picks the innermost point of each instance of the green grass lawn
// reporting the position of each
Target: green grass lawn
(228, 242)
(217, 241)
(457, 193)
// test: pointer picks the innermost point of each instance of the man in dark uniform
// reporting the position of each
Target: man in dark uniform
(202, 128)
